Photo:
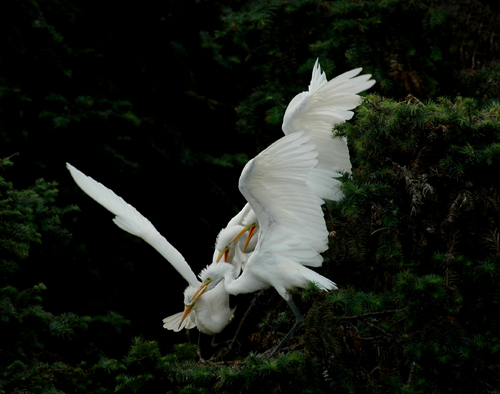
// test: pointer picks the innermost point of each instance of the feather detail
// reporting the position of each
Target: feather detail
(174, 322)
(130, 220)
(275, 185)
(316, 112)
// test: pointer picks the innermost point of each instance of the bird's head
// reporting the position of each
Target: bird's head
(191, 296)
(251, 232)
(210, 277)
(212, 274)
(223, 243)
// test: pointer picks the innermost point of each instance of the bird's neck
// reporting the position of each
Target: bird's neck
(244, 284)
(230, 283)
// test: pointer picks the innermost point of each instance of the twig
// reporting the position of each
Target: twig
(386, 332)
(380, 229)
(240, 326)
(12, 155)
(371, 314)
(374, 369)
(373, 325)
(410, 376)
(221, 353)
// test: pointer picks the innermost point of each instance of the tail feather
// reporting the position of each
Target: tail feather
(174, 322)
(322, 282)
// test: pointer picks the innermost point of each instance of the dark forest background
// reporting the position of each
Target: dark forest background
(164, 102)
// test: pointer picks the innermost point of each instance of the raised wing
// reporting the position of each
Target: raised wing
(315, 112)
(130, 220)
(288, 210)
(328, 102)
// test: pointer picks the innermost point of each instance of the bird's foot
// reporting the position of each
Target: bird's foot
(202, 360)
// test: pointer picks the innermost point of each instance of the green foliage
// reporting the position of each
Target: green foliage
(39, 350)
(419, 223)
(25, 215)
(414, 244)
(442, 47)
(181, 372)
(414, 249)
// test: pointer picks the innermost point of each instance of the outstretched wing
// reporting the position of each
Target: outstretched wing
(315, 112)
(130, 220)
(288, 210)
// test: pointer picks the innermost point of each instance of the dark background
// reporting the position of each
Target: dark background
(164, 102)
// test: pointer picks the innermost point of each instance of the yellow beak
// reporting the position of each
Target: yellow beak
(251, 231)
(224, 253)
(187, 309)
(199, 292)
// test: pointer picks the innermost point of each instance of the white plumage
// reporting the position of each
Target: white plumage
(315, 112)
(211, 314)
(285, 186)
(238, 239)
(292, 228)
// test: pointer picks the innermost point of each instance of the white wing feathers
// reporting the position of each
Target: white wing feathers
(329, 102)
(321, 281)
(316, 112)
(318, 78)
(174, 322)
(288, 210)
(130, 220)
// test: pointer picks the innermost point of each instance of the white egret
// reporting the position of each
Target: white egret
(315, 112)
(210, 313)
(292, 227)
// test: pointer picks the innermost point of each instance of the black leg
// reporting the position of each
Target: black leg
(214, 344)
(199, 348)
(298, 321)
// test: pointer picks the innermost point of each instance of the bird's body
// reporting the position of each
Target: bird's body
(210, 314)
(293, 230)
(265, 271)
